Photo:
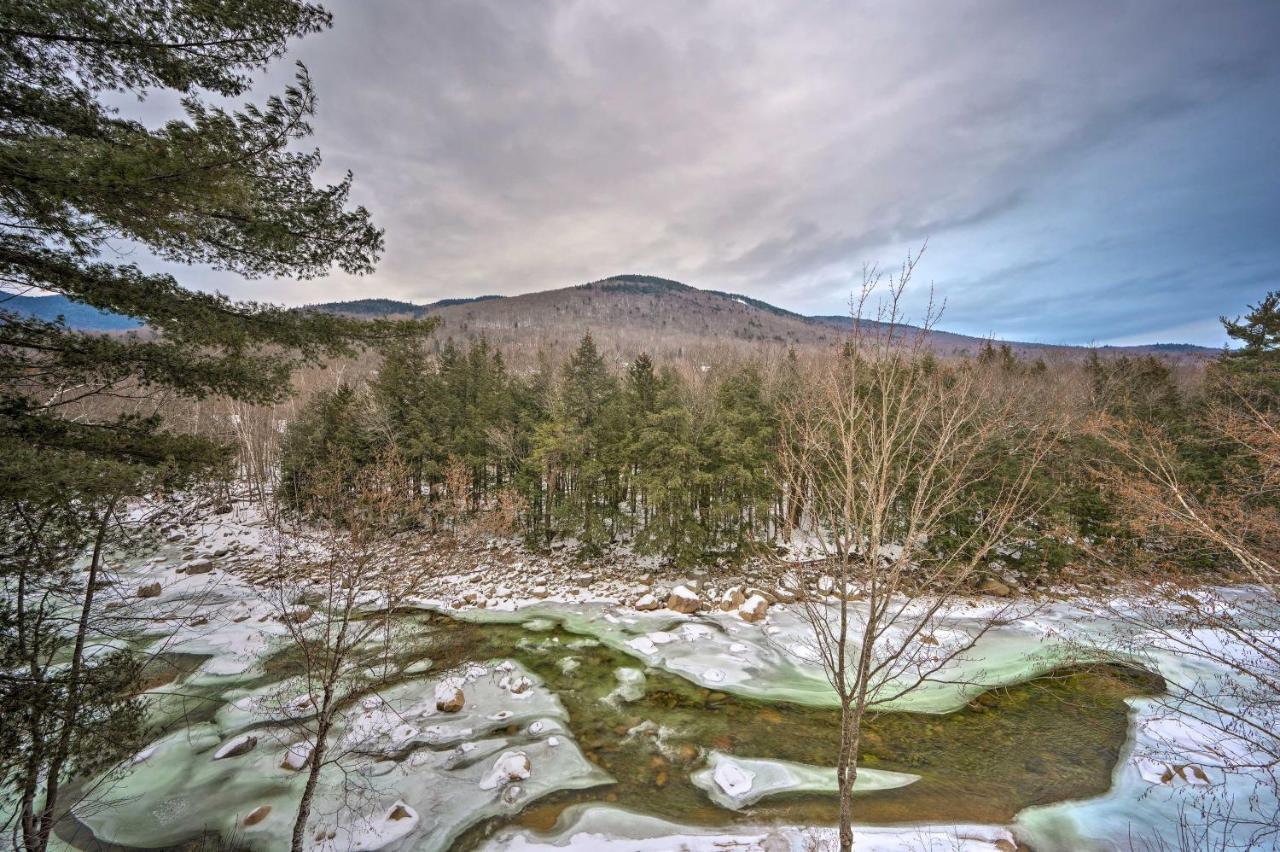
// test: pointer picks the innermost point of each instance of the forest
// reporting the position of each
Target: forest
(682, 461)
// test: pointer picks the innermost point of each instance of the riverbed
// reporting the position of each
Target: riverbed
(630, 731)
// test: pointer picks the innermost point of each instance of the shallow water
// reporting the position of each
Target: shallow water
(1054, 738)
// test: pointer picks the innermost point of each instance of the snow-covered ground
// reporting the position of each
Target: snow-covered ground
(420, 776)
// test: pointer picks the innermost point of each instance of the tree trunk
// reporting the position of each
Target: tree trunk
(847, 772)
(43, 824)
(313, 775)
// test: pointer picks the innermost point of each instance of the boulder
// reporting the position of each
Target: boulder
(257, 815)
(753, 609)
(732, 599)
(449, 698)
(197, 566)
(242, 744)
(992, 586)
(511, 766)
(149, 590)
(647, 603)
(784, 595)
(683, 599)
(298, 756)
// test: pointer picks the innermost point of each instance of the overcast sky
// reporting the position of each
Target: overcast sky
(1104, 173)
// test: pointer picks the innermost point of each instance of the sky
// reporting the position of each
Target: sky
(1083, 172)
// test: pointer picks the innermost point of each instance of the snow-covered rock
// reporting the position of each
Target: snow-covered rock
(753, 609)
(683, 599)
(647, 603)
(449, 697)
(236, 746)
(510, 766)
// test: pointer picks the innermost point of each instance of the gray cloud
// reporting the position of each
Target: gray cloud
(1085, 171)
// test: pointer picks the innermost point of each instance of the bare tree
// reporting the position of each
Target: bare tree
(1229, 631)
(898, 455)
(337, 585)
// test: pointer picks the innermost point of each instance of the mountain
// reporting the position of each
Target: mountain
(626, 313)
(76, 315)
(631, 313)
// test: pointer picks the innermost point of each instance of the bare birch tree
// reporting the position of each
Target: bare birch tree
(336, 588)
(898, 453)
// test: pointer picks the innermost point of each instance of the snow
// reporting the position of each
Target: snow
(735, 783)
(511, 766)
(1172, 758)
(231, 745)
(596, 828)
(733, 779)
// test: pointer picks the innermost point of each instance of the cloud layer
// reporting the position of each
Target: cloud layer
(1083, 171)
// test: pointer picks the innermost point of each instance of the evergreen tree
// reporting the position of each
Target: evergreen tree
(214, 187)
(1255, 364)
(672, 477)
(582, 445)
(741, 447)
(330, 435)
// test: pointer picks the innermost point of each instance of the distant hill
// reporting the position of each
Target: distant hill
(77, 315)
(626, 314)
(389, 307)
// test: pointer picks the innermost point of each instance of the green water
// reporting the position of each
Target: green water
(1053, 738)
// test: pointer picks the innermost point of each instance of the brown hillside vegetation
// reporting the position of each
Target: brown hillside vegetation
(629, 314)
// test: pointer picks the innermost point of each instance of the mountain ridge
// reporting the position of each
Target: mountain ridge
(635, 311)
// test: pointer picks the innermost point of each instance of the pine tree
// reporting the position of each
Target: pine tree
(215, 187)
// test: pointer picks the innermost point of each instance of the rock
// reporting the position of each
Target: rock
(519, 685)
(298, 756)
(684, 600)
(753, 609)
(257, 815)
(197, 566)
(732, 599)
(242, 744)
(511, 766)
(992, 586)
(298, 615)
(149, 590)
(399, 812)
(767, 595)
(540, 591)
(502, 592)
(647, 603)
(449, 699)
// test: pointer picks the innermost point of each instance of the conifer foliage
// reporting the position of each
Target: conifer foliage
(82, 186)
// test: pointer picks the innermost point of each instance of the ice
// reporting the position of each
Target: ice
(599, 828)
(630, 686)
(735, 783)
(732, 779)
(179, 791)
